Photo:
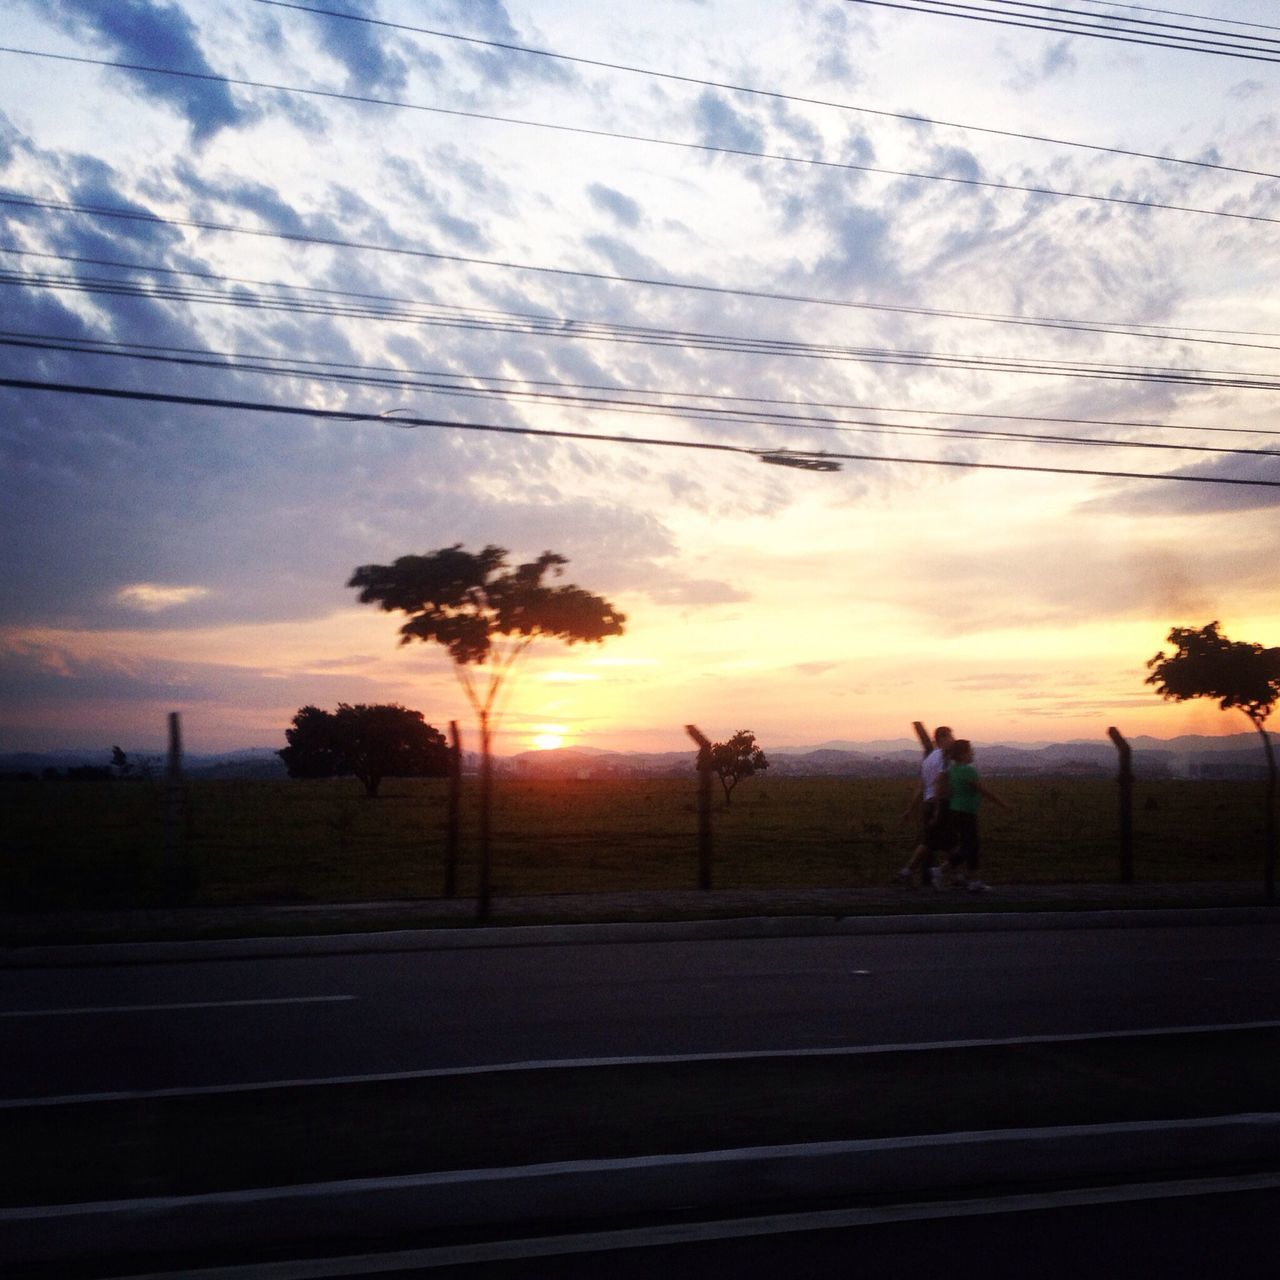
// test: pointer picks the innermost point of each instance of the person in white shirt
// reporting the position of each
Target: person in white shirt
(935, 818)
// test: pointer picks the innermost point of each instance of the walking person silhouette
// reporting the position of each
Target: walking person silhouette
(931, 798)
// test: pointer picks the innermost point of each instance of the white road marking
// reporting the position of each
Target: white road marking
(569, 1064)
(165, 1008)
(727, 1229)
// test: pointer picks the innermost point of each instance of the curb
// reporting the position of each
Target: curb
(399, 940)
(542, 1195)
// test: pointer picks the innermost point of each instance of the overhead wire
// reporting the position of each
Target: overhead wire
(1037, 17)
(409, 422)
(755, 91)
(525, 324)
(1114, 328)
(944, 360)
(509, 386)
(619, 136)
(406, 380)
(1178, 13)
(336, 242)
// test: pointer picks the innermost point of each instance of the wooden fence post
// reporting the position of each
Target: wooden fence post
(175, 871)
(704, 805)
(1125, 779)
(455, 809)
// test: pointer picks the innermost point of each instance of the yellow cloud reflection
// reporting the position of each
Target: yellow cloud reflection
(151, 597)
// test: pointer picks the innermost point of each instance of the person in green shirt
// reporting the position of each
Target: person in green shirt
(966, 793)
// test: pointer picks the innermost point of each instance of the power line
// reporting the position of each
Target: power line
(725, 291)
(1176, 13)
(1111, 328)
(771, 94)
(618, 136)
(599, 331)
(406, 380)
(1161, 35)
(1103, 21)
(510, 387)
(156, 397)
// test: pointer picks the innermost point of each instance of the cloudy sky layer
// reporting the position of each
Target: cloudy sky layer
(342, 215)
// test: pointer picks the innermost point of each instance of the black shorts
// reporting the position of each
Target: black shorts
(938, 836)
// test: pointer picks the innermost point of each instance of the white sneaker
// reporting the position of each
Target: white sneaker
(976, 886)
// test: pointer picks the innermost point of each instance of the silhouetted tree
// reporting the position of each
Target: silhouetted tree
(370, 742)
(313, 750)
(736, 759)
(133, 770)
(1205, 664)
(486, 614)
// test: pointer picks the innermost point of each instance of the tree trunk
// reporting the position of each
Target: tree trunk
(1269, 870)
(486, 796)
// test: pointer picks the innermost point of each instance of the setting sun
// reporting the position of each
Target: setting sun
(548, 738)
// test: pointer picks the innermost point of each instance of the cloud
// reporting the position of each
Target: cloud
(1168, 498)
(158, 35)
(434, 200)
(1022, 576)
(683, 591)
(622, 208)
(860, 252)
(47, 692)
(837, 33)
(116, 509)
(721, 125)
(815, 668)
(502, 68)
(373, 65)
(1057, 61)
(152, 597)
(954, 162)
(91, 181)
(11, 141)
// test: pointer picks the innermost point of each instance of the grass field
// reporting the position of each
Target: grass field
(100, 844)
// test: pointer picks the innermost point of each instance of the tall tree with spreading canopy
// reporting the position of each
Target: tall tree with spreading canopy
(486, 614)
(1205, 664)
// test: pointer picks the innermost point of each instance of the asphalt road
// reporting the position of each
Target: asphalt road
(1230, 1234)
(177, 1025)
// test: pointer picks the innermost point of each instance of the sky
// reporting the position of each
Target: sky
(402, 213)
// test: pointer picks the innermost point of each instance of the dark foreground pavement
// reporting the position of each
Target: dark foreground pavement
(453, 1165)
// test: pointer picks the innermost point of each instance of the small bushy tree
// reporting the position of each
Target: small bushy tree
(370, 742)
(739, 758)
(1246, 677)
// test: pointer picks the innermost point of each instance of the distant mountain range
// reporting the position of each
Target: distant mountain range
(1235, 756)
(1191, 756)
